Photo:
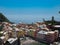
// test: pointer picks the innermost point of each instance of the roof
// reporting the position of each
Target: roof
(51, 32)
(2, 32)
(56, 25)
(11, 40)
(2, 37)
(5, 33)
(14, 24)
(46, 32)
(42, 32)
(16, 29)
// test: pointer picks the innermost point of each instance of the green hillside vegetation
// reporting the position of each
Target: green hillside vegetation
(3, 18)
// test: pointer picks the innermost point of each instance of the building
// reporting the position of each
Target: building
(12, 41)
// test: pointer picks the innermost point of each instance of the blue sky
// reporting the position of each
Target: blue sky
(30, 10)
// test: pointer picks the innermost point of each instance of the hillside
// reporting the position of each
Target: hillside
(3, 18)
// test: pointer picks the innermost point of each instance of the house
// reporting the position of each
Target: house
(12, 41)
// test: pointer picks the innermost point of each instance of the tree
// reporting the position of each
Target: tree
(59, 12)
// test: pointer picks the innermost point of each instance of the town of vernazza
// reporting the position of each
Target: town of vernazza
(29, 22)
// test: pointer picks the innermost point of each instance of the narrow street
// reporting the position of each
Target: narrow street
(29, 41)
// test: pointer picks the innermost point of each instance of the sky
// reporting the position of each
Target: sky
(30, 10)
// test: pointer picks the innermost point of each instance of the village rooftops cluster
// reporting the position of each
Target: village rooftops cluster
(10, 32)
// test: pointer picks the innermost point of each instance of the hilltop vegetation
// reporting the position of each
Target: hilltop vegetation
(3, 18)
